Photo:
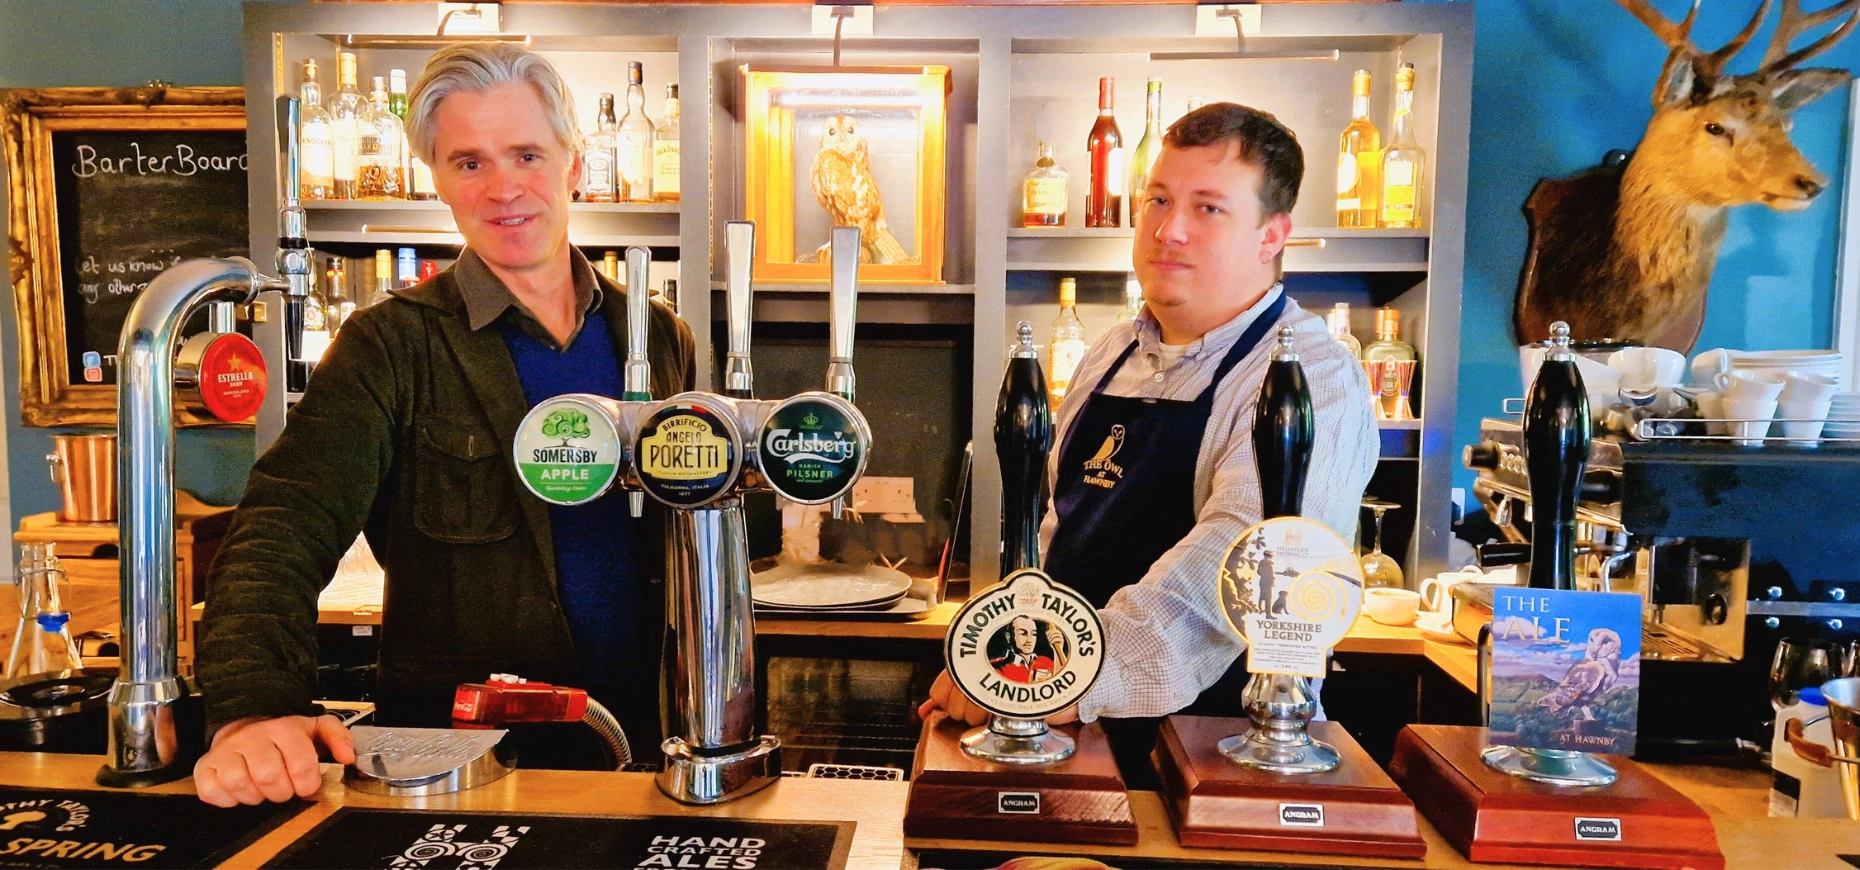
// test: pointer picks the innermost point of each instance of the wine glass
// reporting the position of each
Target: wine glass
(1379, 569)
(1802, 663)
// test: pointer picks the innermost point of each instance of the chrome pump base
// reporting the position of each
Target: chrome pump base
(1007, 740)
(689, 778)
(1281, 707)
(1550, 766)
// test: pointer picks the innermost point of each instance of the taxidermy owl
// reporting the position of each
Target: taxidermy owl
(844, 186)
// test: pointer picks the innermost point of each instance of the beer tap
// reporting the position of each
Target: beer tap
(740, 253)
(1281, 706)
(698, 453)
(638, 385)
(1023, 435)
(1556, 451)
(842, 299)
(294, 254)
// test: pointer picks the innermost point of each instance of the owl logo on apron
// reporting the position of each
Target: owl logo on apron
(1100, 471)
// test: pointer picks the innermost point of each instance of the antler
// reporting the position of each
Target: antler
(1678, 36)
(1794, 23)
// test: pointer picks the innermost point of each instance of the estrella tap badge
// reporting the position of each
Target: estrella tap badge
(1028, 648)
(687, 454)
(1292, 588)
(813, 446)
(568, 450)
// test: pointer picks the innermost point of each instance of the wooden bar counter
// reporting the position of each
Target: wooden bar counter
(1736, 801)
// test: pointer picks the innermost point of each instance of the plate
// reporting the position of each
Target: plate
(828, 586)
(1436, 626)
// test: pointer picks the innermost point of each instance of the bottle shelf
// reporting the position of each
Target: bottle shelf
(385, 237)
(1317, 250)
(434, 206)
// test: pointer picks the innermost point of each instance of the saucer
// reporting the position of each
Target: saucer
(1438, 626)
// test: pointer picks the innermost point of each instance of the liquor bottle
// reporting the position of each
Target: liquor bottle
(1338, 323)
(428, 270)
(1556, 450)
(1147, 148)
(317, 327)
(1104, 204)
(397, 93)
(610, 266)
(406, 268)
(419, 175)
(1194, 102)
(340, 301)
(1066, 346)
(1393, 353)
(316, 147)
(345, 119)
(384, 276)
(1404, 162)
(1133, 300)
(1283, 431)
(599, 181)
(1043, 193)
(381, 175)
(633, 140)
(1023, 435)
(665, 151)
(1359, 161)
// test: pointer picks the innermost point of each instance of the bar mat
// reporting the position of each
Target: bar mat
(373, 838)
(42, 827)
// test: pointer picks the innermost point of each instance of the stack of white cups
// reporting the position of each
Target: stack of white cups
(1749, 395)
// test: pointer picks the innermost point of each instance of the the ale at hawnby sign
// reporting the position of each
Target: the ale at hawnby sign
(1292, 588)
(1027, 648)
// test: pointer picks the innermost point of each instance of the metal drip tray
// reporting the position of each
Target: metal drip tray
(57, 711)
(409, 762)
(48, 694)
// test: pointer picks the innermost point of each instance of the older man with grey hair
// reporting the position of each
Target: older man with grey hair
(403, 435)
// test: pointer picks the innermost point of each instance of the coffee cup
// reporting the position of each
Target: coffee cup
(1809, 388)
(1707, 365)
(1392, 606)
(1747, 384)
(1809, 416)
(1711, 407)
(1648, 367)
(1757, 412)
(1437, 591)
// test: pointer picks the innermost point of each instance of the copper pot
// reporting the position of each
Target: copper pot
(84, 467)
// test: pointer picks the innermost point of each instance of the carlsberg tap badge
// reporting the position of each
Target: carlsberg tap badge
(567, 450)
(813, 447)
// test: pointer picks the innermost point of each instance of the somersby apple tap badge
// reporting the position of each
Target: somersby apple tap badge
(1026, 649)
(1292, 588)
(568, 451)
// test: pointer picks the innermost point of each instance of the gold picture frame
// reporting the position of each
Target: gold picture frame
(30, 118)
(827, 146)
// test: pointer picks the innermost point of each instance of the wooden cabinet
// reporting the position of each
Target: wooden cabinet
(88, 554)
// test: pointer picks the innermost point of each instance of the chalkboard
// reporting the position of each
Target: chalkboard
(130, 204)
(105, 188)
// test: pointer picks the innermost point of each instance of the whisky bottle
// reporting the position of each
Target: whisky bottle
(1104, 204)
(419, 175)
(1337, 322)
(1066, 346)
(665, 151)
(340, 301)
(1359, 161)
(1133, 300)
(1398, 362)
(599, 181)
(1043, 192)
(317, 328)
(379, 147)
(316, 147)
(1148, 148)
(384, 276)
(610, 266)
(1404, 163)
(633, 140)
(345, 118)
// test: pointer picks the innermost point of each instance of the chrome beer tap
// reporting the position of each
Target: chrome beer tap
(842, 300)
(697, 453)
(638, 374)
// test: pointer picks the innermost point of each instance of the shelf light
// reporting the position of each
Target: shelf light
(1240, 52)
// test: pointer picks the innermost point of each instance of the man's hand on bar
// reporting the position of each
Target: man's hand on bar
(943, 696)
(269, 759)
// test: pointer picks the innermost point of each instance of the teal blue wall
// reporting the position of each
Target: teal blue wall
(1556, 83)
(61, 43)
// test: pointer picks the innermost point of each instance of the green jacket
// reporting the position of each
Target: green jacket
(405, 434)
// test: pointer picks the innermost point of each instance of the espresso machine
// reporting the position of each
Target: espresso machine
(1731, 548)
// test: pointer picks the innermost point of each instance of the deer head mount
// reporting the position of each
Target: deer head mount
(1628, 253)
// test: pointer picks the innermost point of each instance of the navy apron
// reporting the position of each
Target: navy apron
(1125, 495)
